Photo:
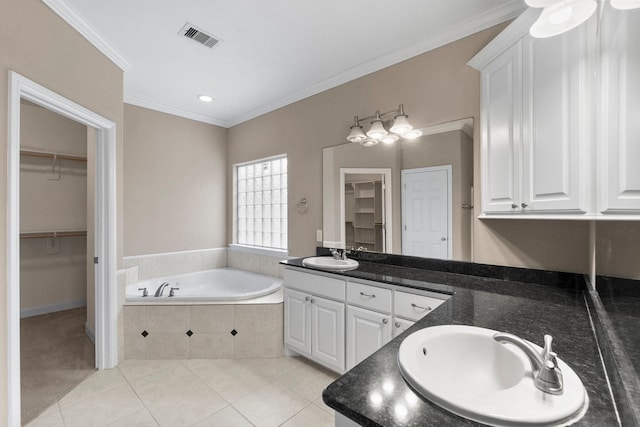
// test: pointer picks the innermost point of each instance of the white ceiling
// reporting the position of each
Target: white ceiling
(272, 52)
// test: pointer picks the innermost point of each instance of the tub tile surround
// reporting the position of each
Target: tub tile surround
(225, 392)
(168, 264)
(538, 302)
(259, 330)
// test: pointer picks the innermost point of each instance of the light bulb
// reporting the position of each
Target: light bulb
(369, 142)
(356, 134)
(413, 134)
(390, 138)
(377, 130)
(401, 125)
(205, 98)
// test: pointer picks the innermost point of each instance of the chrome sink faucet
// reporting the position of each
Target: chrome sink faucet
(160, 289)
(339, 253)
(547, 375)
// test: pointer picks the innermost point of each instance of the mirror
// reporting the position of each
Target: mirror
(413, 197)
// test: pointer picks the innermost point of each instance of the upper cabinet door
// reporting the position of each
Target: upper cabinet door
(555, 129)
(619, 148)
(501, 131)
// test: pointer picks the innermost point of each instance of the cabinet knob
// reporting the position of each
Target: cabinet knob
(312, 301)
(513, 206)
(523, 204)
(443, 239)
(397, 324)
(307, 299)
(385, 321)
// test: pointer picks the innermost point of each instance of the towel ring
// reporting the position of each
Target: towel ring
(303, 206)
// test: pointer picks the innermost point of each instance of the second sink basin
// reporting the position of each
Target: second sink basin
(330, 263)
(464, 370)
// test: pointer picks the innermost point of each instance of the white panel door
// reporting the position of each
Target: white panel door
(367, 331)
(426, 212)
(621, 112)
(327, 332)
(555, 129)
(297, 326)
(501, 132)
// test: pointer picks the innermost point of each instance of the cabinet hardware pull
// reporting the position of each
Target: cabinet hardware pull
(420, 307)
(307, 299)
(397, 324)
(513, 206)
(368, 295)
(385, 321)
(312, 301)
(523, 204)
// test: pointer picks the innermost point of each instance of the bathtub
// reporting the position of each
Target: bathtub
(220, 284)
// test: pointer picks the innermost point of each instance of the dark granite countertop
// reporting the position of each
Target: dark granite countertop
(374, 393)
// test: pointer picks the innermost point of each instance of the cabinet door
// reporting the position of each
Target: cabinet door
(297, 325)
(620, 145)
(367, 331)
(501, 131)
(555, 129)
(327, 332)
(400, 325)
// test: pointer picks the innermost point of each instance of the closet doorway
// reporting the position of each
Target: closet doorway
(24, 95)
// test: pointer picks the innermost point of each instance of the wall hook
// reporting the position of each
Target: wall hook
(303, 207)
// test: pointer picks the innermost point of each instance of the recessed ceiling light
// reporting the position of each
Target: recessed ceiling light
(205, 98)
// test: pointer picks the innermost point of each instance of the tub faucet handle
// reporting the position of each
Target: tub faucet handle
(172, 291)
(145, 293)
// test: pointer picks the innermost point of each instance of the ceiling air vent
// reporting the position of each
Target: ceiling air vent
(196, 34)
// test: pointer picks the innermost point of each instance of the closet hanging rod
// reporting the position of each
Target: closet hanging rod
(52, 234)
(46, 155)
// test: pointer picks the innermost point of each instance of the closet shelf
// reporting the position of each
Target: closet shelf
(52, 234)
(47, 155)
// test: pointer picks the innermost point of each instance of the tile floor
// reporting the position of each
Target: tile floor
(283, 391)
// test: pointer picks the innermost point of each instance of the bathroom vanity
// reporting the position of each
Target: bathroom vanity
(527, 303)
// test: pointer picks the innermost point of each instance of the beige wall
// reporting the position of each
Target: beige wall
(52, 271)
(618, 248)
(175, 183)
(39, 45)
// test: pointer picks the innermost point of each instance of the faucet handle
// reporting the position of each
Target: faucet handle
(172, 291)
(145, 293)
(549, 378)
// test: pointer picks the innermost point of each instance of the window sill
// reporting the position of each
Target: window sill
(280, 253)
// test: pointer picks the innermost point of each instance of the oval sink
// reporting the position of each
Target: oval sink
(330, 263)
(464, 370)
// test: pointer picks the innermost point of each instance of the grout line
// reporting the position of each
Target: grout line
(138, 396)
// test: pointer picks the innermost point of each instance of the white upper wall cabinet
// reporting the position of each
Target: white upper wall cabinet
(548, 150)
(620, 113)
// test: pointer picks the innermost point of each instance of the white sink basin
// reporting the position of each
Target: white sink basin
(330, 263)
(464, 370)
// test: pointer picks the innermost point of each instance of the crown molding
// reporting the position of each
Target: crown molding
(464, 29)
(464, 125)
(80, 24)
(128, 99)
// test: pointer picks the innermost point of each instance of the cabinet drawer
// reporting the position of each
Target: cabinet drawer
(412, 306)
(372, 297)
(315, 284)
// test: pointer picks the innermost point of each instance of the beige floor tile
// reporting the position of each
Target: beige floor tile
(136, 368)
(102, 409)
(273, 367)
(320, 404)
(311, 416)
(271, 405)
(97, 383)
(51, 418)
(141, 418)
(226, 417)
(166, 382)
(308, 380)
(184, 407)
(229, 377)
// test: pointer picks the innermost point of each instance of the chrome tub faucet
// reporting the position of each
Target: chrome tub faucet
(160, 289)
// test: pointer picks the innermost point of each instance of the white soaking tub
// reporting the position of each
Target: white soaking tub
(220, 284)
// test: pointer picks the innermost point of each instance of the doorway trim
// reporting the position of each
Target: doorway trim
(388, 201)
(106, 333)
(449, 170)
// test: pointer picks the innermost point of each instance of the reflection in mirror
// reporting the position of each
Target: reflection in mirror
(411, 197)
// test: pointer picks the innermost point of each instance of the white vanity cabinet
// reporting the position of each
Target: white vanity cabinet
(338, 321)
(535, 124)
(314, 324)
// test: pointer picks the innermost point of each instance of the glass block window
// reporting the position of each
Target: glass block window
(262, 203)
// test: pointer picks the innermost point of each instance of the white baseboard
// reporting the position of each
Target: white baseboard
(88, 330)
(36, 311)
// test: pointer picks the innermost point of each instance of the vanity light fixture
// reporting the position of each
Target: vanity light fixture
(380, 130)
(205, 98)
(560, 16)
